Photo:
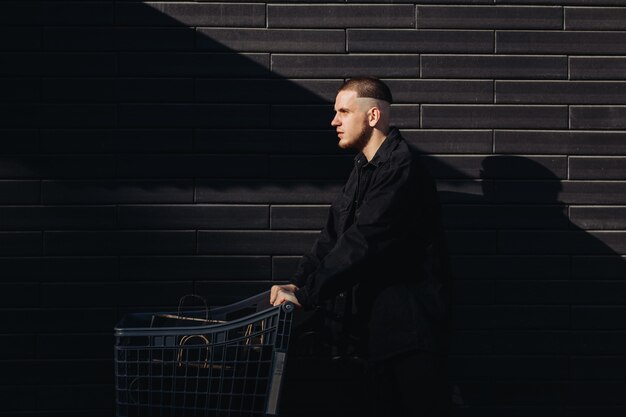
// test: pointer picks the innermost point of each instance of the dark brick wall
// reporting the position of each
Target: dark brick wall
(150, 150)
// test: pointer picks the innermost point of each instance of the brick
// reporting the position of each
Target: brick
(591, 167)
(271, 40)
(463, 191)
(19, 140)
(597, 292)
(125, 243)
(311, 167)
(20, 243)
(529, 142)
(75, 346)
(300, 66)
(187, 115)
(340, 16)
(532, 292)
(473, 292)
(473, 341)
(78, 269)
(596, 342)
(509, 217)
(78, 89)
(283, 267)
(154, 90)
(531, 342)
(511, 367)
(76, 397)
(568, 192)
(599, 317)
(254, 192)
(516, 267)
(527, 393)
(190, 14)
(561, 92)
(599, 267)
(255, 242)
(21, 13)
(589, 411)
(19, 89)
(20, 38)
(599, 218)
(21, 269)
(595, 18)
(117, 192)
(509, 167)
(160, 293)
(491, 17)
(566, 2)
(494, 66)
(273, 141)
(59, 166)
(290, 116)
(594, 393)
(560, 42)
(117, 39)
(51, 217)
(449, 141)
(193, 217)
(19, 192)
(77, 64)
(494, 116)
(115, 140)
(192, 165)
(193, 64)
(298, 217)
(18, 295)
(207, 268)
(225, 293)
(454, 166)
(597, 68)
(513, 317)
(598, 117)
(266, 91)
(419, 41)
(405, 116)
(18, 346)
(471, 242)
(561, 242)
(20, 64)
(75, 115)
(17, 398)
(441, 91)
(58, 13)
(598, 368)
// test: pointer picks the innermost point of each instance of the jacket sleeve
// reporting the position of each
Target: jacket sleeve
(322, 246)
(381, 219)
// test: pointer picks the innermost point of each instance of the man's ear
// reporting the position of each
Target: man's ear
(373, 116)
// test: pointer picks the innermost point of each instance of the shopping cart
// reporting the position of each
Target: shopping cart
(223, 361)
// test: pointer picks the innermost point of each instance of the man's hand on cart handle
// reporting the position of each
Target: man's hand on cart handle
(281, 293)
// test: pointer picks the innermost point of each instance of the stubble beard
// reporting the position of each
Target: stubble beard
(361, 140)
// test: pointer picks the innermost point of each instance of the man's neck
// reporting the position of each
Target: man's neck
(377, 139)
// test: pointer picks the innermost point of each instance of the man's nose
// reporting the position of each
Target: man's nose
(335, 121)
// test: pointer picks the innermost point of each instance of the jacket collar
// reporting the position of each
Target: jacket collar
(383, 153)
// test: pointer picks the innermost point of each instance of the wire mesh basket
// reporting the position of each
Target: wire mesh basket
(226, 363)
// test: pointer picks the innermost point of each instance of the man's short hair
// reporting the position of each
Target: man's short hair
(368, 87)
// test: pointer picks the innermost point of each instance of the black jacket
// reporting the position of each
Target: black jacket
(384, 239)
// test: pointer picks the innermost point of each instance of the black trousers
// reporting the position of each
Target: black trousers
(412, 384)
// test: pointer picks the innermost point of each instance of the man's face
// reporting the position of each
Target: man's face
(351, 121)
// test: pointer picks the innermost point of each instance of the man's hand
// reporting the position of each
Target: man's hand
(281, 293)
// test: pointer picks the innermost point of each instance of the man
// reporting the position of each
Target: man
(383, 242)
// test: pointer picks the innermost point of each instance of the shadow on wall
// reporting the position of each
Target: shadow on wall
(125, 141)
